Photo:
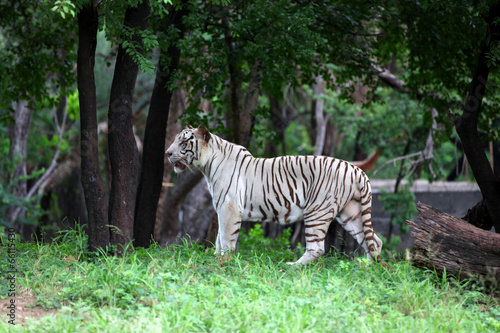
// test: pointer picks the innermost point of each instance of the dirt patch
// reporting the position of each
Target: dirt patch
(24, 309)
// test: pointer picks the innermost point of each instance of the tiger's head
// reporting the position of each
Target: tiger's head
(186, 150)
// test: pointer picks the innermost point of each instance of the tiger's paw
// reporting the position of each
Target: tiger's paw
(224, 258)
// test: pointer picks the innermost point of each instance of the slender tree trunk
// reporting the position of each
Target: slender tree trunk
(177, 108)
(249, 104)
(320, 118)
(330, 131)
(279, 122)
(18, 152)
(123, 153)
(151, 177)
(93, 186)
(466, 125)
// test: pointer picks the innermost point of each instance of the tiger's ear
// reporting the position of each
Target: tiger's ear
(189, 126)
(203, 133)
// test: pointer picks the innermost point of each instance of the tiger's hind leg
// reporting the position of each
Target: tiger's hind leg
(350, 219)
(315, 232)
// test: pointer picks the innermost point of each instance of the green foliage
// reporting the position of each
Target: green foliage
(138, 44)
(35, 42)
(183, 288)
(439, 53)
(298, 142)
(281, 37)
(73, 106)
(64, 8)
(389, 250)
(254, 241)
(8, 200)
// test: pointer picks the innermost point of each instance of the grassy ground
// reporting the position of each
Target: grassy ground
(61, 288)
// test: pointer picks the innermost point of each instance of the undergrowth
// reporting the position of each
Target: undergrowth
(184, 288)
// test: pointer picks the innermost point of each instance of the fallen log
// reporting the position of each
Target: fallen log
(443, 241)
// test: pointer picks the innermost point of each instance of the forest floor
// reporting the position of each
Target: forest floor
(60, 287)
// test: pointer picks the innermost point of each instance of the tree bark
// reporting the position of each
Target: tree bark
(183, 185)
(18, 153)
(177, 108)
(321, 119)
(466, 125)
(151, 176)
(446, 242)
(93, 186)
(250, 104)
(478, 216)
(280, 118)
(123, 153)
(213, 229)
(197, 212)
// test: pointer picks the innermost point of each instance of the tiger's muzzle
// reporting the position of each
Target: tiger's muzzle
(179, 164)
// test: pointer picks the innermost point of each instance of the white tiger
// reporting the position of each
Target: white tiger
(284, 189)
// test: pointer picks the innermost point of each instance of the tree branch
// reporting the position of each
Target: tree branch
(390, 79)
(425, 155)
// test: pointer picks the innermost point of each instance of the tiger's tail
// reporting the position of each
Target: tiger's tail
(374, 244)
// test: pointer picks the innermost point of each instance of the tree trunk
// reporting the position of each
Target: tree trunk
(153, 157)
(466, 125)
(18, 152)
(177, 108)
(213, 229)
(235, 77)
(250, 104)
(478, 216)
(446, 242)
(320, 117)
(123, 153)
(280, 118)
(330, 131)
(183, 185)
(197, 211)
(93, 186)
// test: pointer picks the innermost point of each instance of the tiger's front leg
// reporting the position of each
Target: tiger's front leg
(229, 228)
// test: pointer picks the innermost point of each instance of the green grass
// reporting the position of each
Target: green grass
(186, 289)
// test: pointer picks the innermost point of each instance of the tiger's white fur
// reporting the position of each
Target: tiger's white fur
(287, 189)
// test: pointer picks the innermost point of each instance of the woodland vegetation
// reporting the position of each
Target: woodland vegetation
(91, 92)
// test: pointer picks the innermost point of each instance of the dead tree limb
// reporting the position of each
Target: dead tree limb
(446, 242)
